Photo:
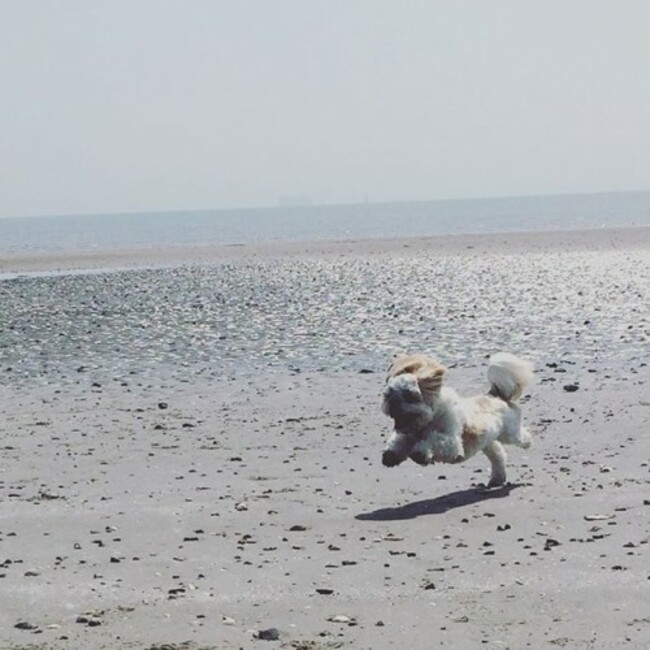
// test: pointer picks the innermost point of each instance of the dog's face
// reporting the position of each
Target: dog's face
(412, 387)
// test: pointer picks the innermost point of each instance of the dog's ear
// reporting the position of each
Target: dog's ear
(401, 364)
(430, 379)
(409, 364)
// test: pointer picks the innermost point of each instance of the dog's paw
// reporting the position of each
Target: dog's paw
(496, 481)
(421, 458)
(525, 439)
(390, 459)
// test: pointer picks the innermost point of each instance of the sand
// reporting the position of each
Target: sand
(191, 452)
(565, 241)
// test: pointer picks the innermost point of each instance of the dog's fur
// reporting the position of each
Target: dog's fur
(435, 424)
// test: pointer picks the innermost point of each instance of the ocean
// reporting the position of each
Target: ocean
(86, 233)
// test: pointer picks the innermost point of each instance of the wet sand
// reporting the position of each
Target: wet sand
(191, 454)
(566, 240)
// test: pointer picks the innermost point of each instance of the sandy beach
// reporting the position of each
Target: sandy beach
(191, 445)
(566, 241)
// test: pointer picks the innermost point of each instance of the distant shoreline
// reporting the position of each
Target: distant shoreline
(243, 209)
(14, 264)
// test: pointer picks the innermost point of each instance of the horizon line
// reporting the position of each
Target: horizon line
(316, 206)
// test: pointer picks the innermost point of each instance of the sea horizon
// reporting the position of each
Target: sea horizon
(234, 226)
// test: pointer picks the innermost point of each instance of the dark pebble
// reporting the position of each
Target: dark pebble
(24, 625)
(272, 634)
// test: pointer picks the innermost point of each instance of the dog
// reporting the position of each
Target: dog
(433, 424)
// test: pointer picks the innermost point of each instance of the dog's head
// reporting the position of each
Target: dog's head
(412, 387)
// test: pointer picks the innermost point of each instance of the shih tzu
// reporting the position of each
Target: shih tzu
(435, 424)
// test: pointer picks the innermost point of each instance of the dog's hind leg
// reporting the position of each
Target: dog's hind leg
(514, 432)
(520, 437)
(497, 456)
(524, 440)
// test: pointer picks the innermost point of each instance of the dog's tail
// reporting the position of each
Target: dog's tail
(508, 376)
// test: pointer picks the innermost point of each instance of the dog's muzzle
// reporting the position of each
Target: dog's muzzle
(404, 420)
(394, 408)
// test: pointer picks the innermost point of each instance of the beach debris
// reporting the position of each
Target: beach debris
(324, 591)
(242, 506)
(26, 625)
(176, 592)
(550, 543)
(598, 517)
(270, 634)
(571, 388)
(91, 620)
(340, 618)
(45, 495)
(227, 620)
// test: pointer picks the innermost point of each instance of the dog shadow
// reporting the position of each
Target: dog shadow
(439, 505)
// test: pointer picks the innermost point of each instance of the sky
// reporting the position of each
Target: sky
(146, 105)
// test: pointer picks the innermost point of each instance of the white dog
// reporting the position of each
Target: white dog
(434, 424)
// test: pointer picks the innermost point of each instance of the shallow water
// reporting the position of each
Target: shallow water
(324, 313)
(370, 220)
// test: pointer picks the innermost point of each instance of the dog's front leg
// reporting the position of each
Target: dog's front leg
(397, 449)
(421, 453)
(446, 447)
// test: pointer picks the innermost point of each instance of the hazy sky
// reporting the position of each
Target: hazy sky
(138, 105)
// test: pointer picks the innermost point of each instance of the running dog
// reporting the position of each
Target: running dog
(433, 423)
